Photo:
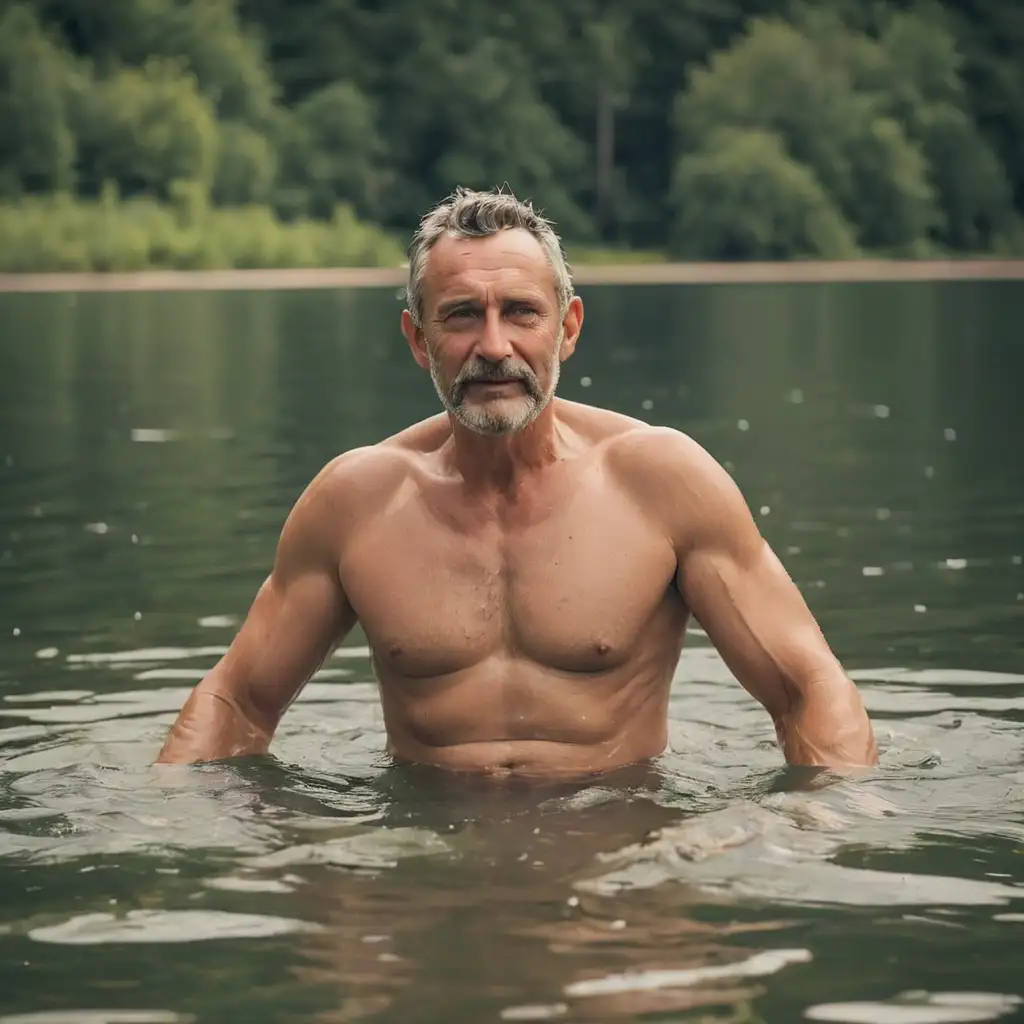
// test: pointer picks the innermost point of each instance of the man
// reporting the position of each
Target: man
(523, 567)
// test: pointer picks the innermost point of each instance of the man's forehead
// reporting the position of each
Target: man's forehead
(512, 257)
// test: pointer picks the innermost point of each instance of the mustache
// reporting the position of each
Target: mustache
(507, 369)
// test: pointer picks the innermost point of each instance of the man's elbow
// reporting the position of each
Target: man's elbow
(828, 727)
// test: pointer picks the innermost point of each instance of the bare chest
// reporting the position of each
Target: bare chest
(578, 590)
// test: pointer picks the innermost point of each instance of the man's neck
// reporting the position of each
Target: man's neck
(500, 463)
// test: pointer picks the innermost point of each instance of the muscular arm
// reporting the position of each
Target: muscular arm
(757, 619)
(299, 613)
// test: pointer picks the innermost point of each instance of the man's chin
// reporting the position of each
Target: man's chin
(492, 423)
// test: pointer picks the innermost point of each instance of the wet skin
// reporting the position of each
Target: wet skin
(525, 595)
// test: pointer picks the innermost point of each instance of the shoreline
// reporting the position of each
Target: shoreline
(803, 272)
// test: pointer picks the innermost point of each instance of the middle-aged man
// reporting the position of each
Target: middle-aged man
(523, 567)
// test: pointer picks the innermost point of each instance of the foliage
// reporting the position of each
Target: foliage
(60, 233)
(37, 147)
(742, 197)
(890, 127)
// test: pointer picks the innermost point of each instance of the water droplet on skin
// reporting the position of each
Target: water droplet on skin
(881, 411)
(872, 570)
(949, 434)
(647, 404)
(920, 608)
(766, 510)
(585, 382)
(743, 425)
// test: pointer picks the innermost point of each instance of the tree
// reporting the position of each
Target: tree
(37, 148)
(742, 197)
(145, 129)
(777, 79)
(341, 152)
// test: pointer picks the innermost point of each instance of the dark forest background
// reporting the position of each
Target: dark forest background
(265, 132)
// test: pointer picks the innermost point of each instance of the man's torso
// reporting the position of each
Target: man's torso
(536, 631)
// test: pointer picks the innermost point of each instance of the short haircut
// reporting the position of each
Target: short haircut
(470, 214)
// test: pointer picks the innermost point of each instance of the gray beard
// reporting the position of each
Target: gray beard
(487, 419)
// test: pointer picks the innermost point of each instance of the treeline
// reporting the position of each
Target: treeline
(706, 129)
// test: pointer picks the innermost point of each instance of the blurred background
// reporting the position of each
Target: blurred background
(260, 133)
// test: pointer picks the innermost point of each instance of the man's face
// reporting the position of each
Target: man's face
(492, 336)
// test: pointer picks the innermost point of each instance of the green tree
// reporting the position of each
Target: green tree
(742, 197)
(146, 128)
(778, 79)
(990, 35)
(246, 166)
(37, 148)
(341, 155)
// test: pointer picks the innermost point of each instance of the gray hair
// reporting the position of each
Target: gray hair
(470, 214)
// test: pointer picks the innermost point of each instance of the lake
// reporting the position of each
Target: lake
(150, 448)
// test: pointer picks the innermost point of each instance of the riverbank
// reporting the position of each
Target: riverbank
(808, 272)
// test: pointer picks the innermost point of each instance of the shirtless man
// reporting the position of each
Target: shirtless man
(523, 567)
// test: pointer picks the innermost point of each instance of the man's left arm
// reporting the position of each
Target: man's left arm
(753, 613)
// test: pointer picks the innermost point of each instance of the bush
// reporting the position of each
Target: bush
(58, 233)
(742, 198)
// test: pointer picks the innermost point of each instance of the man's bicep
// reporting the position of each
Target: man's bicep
(298, 614)
(745, 600)
(757, 619)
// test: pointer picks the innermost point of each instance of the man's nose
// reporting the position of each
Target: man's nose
(494, 343)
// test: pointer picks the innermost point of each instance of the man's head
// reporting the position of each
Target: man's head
(491, 311)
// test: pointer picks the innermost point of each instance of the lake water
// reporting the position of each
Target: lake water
(150, 447)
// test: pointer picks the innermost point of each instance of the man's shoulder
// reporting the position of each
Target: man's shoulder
(645, 453)
(672, 478)
(367, 473)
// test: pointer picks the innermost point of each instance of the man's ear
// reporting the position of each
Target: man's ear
(417, 340)
(572, 324)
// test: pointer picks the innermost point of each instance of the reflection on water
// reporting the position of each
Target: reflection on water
(146, 463)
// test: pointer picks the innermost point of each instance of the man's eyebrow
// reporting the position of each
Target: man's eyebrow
(448, 307)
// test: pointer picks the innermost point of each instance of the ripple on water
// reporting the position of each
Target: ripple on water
(161, 926)
(99, 1017)
(919, 1008)
(757, 966)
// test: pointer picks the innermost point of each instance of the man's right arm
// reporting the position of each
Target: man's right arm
(299, 614)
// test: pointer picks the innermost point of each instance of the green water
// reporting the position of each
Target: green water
(150, 447)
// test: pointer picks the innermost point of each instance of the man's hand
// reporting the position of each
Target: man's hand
(299, 613)
(754, 614)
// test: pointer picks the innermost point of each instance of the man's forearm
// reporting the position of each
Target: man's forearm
(211, 726)
(828, 727)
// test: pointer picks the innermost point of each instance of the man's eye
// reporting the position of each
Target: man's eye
(523, 311)
(461, 314)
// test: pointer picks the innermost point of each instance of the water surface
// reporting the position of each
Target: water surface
(150, 447)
